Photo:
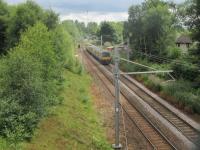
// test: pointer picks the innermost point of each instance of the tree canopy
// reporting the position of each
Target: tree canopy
(149, 27)
(36, 50)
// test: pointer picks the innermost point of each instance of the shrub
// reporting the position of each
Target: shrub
(22, 95)
(174, 52)
(28, 83)
(184, 95)
(185, 70)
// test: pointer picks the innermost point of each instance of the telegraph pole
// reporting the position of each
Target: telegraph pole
(101, 40)
(128, 45)
(117, 145)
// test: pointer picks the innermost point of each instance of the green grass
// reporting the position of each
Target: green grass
(72, 125)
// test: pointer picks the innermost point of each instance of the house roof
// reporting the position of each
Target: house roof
(183, 39)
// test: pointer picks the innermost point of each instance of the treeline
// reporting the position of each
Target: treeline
(34, 49)
(111, 32)
(153, 28)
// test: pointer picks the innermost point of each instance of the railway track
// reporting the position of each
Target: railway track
(152, 134)
(108, 88)
(185, 128)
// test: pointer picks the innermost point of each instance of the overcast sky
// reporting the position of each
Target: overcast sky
(89, 10)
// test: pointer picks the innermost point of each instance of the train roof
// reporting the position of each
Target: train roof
(105, 51)
(98, 48)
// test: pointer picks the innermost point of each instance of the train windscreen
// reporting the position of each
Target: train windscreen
(105, 54)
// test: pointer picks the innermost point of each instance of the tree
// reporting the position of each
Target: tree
(107, 32)
(194, 24)
(27, 82)
(4, 14)
(31, 71)
(71, 28)
(135, 27)
(195, 27)
(150, 25)
(50, 19)
(118, 27)
(26, 15)
(81, 27)
(157, 29)
(92, 28)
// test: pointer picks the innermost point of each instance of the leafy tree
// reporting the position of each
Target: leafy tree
(118, 27)
(22, 96)
(157, 22)
(31, 72)
(81, 26)
(28, 78)
(194, 23)
(63, 46)
(135, 27)
(26, 15)
(50, 19)
(150, 25)
(92, 28)
(71, 28)
(107, 32)
(4, 14)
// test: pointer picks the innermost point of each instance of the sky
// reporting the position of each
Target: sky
(89, 10)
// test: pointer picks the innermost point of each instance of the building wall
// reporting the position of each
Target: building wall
(184, 48)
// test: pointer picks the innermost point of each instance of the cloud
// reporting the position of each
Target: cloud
(99, 10)
(96, 16)
(81, 5)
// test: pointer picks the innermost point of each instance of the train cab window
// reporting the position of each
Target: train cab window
(105, 54)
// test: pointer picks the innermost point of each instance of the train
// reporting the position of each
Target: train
(103, 56)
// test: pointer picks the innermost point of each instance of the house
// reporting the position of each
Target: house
(184, 42)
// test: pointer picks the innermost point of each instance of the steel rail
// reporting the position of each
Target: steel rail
(149, 121)
(161, 105)
(105, 85)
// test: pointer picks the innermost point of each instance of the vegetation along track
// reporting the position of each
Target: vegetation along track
(150, 132)
(185, 128)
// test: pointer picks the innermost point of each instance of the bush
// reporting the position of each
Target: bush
(22, 95)
(29, 82)
(174, 52)
(185, 70)
(184, 95)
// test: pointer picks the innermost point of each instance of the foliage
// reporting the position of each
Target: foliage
(31, 73)
(149, 27)
(174, 52)
(107, 32)
(50, 19)
(81, 130)
(21, 95)
(184, 95)
(29, 79)
(72, 29)
(92, 28)
(185, 70)
(4, 13)
(25, 15)
(192, 13)
(63, 47)
(118, 27)
(81, 27)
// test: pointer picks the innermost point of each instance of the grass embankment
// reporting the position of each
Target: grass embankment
(72, 125)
